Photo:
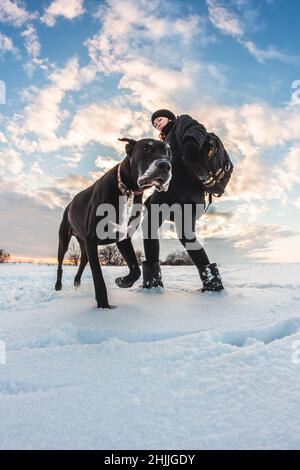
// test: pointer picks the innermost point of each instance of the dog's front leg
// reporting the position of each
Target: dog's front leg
(99, 284)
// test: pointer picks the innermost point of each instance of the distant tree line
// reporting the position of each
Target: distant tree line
(178, 258)
(74, 253)
(109, 255)
(4, 256)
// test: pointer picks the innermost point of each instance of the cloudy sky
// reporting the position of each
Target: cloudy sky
(78, 74)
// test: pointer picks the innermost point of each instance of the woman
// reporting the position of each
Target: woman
(185, 137)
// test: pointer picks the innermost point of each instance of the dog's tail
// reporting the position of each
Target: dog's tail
(65, 234)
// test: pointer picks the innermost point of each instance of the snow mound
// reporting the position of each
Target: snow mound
(175, 369)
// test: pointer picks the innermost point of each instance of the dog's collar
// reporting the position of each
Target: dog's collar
(123, 188)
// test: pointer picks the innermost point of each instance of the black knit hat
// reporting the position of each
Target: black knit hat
(162, 113)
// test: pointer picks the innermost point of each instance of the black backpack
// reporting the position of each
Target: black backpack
(214, 166)
(219, 167)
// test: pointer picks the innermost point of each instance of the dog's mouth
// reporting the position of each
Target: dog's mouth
(158, 174)
(161, 183)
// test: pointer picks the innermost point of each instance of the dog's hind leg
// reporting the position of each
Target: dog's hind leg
(83, 263)
(64, 240)
(127, 251)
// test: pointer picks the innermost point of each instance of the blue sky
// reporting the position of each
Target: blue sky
(81, 73)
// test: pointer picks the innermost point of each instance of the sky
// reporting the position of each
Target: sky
(77, 74)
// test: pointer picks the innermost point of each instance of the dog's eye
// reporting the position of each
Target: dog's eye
(145, 148)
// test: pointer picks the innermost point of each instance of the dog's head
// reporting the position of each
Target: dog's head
(150, 161)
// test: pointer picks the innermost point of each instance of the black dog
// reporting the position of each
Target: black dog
(147, 163)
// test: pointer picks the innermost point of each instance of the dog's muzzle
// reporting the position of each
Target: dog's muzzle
(158, 174)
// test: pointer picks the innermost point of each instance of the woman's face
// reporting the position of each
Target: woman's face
(160, 123)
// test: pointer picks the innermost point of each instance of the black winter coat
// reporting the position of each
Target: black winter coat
(182, 188)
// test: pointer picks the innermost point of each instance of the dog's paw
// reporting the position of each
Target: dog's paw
(58, 285)
(105, 305)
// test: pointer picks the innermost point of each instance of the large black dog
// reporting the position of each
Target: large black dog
(147, 163)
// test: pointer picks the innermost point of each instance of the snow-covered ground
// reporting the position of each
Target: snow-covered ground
(177, 369)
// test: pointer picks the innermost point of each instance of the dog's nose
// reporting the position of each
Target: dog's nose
(163, 165)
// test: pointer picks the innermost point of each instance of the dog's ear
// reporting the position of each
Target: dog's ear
(129, 146)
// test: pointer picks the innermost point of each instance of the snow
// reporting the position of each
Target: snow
(172, 369)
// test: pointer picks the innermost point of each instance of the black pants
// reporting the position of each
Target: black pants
(188, 240)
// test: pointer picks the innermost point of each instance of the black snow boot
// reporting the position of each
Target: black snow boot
(211, 278)
(157, 277)
(151, 275)
(147, 275)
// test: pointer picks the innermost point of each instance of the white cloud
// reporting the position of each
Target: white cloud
(297, 202)
(229, 23)
(43, 116)
(68, 9)
(30, 228)
(151, 84)
(6, 45)
(72, 183)
(69, 77)
(224, 20)
(264, 54)
(271, 126)
(35, 169)
(60, 191)
(45, 104)
(293, 161)
(3, 139)
(27, 182)
(258, 236)
(125, 24)
(105, 163)
(283, 249)
(43, 111)
(33, 47)
(31, 41)
(258, 124)
(7, 185)
(104, 124)
(131, 32)
(241, 229)
(71, 161)
(10, 161)
(15, 13)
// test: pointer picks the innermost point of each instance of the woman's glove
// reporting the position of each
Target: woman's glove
(193, 160)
